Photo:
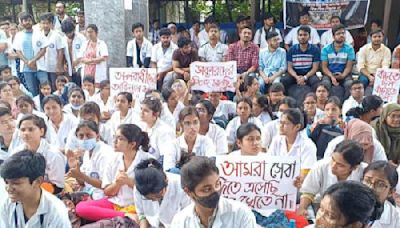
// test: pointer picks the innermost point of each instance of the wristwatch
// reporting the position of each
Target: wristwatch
(305, 78)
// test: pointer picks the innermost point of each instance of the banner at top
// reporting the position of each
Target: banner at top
(353, 13)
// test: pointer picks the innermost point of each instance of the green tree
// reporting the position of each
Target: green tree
(225, 9)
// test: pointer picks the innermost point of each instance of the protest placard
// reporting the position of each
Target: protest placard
(387, 84)
(213, 77)
(261, 182)
(133, 80)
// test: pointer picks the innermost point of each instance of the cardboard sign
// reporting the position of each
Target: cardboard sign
(387, 84)
(213, 77)
(261, 182)
(133, 80)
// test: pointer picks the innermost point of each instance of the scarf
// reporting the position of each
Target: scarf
(388, 136)
(361, 132)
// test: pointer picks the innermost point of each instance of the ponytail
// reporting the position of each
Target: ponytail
(144, 141)
(134, 134)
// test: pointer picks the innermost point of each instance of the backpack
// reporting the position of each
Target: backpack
(322, 135)
(117, 222)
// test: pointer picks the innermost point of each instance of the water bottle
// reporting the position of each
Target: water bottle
(292, 223)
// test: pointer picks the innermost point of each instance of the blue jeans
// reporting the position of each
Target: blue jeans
(33, 79)
(263, 86)
(364, 79)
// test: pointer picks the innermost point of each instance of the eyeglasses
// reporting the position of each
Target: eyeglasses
(378, 186)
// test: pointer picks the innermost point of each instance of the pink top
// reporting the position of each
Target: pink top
(90, 69)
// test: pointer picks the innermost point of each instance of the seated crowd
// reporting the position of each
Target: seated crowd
(71, 154)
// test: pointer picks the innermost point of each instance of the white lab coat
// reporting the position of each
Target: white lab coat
(379, 151)
(218, 137)
(39, 41)
(265, 118)
(115, 121)
(109, 106)
(165, 116)
(94, 166)
(55, 43)
(174, 200)
(77, 44)
(68, 124)
(321, 177)
(161, 58)
(162, 138)
(303, 148)
(348, 104)
(55, 162)
(145, 51)
(176, 112)
(17, 139)
(125, 195)
(203, 146)
(271, 129)
(390, 217)
(230, 213)
(101, 68)
(235, 123)
(53, 211)
(225, 108)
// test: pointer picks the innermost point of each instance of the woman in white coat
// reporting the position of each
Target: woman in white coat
(94, 154)
(243, 110)
(345, 164)
(59, 122)
(124, 113)
(200, 180)
(32, 130)
(171, 103)
(93, 55)
(248, 140)
(158, 194)
(382, 178)
(190, 142)
(292, 142)
(162, 136)
(216, 133)
(118, 181)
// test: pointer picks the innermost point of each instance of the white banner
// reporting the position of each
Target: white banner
(387, 84)
(261, 182)
(213, 77)
(133, 80)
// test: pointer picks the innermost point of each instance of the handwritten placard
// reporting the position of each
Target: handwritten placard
(387, 84)
(262, 182)
(213, 77)
(133, 80)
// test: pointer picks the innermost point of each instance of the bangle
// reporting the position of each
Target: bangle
(142, 217)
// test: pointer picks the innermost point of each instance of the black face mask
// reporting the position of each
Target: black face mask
(210, 201)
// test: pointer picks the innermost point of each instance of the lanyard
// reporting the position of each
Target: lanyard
(41, 217)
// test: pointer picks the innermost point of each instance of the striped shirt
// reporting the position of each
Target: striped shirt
(303, 61)
(337, 60)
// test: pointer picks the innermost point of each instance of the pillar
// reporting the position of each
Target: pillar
(114, 20)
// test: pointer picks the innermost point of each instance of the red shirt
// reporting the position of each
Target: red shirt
(246, 57)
